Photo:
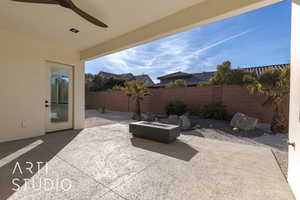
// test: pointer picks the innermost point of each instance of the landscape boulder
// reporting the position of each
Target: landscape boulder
(148, 117)
(243, 122)
(173, 119)
(185, 123)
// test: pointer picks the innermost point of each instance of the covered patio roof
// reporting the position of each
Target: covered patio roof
(130, 23)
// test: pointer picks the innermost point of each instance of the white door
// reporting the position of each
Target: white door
(59, 97)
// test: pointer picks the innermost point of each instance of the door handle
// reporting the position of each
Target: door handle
(293, 144)
(46, 106)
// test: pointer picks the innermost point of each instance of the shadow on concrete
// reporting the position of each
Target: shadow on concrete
(14, 174)
(177, 149)
(192, 132)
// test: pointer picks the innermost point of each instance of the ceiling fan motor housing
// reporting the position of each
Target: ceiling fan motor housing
(64, 3)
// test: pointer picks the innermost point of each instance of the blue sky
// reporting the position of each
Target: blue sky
(260, 37)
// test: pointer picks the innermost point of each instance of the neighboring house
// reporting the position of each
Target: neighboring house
(144, 78)
(195, 78)
(128, 76)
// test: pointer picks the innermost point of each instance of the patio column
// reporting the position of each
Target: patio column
(294, 126)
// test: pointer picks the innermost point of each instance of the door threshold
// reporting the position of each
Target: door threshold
(50, 132)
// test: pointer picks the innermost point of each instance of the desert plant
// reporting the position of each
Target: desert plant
(228, 76)
(116, 88)
(177, 84)
(137, 91)
(102, 109)
(221, 75)
(175, 108)
(216, 111)
(275, 84)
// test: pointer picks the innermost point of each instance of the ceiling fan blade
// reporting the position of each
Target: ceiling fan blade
(87, 16)
(37, 1)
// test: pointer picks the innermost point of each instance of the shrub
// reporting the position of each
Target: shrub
(175, 108)
(102, 109)
(177, 84)
(226, 75)
(216, 111)
(116, 88)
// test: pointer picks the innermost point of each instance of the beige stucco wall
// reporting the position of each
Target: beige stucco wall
(23, 81)
(294, 131)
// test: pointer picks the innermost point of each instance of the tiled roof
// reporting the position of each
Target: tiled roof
(204, 76)
(260, 69)
(176, 74)
(144, 78)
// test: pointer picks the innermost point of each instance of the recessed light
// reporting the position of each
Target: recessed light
(74, 30)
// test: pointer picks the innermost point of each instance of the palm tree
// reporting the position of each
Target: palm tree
(275, 84)
(137, 91)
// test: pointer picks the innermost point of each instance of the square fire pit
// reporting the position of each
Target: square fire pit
(155, 131)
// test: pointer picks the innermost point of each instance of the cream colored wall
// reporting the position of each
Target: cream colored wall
(294, 129)
(22, 84)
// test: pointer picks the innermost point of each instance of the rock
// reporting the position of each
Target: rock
(187, 114)
(198, 126)
(236, 129)
(264, 127)
(148, 117)
(243, 122)
(144, 117)
(161, 116)
(185, 123)
(174, 119)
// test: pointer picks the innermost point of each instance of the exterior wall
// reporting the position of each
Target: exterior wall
(294, 127)
(237, 99)
(23, 82)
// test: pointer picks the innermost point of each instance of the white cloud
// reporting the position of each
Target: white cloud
(176, 53)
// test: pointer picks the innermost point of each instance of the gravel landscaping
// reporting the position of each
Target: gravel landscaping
(221, 130)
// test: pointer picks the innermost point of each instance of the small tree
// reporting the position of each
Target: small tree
(95, 83)
(137, 91)
(228, 76)
(275, 85)
(177, 84)
(221, 75)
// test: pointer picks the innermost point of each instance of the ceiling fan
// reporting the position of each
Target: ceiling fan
(68, 4)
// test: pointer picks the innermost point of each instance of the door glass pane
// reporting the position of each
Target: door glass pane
(59, 94)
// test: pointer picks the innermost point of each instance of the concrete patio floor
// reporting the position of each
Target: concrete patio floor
(105, 162)
(95, 118)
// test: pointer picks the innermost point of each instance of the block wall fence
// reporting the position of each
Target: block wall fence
(236, 98)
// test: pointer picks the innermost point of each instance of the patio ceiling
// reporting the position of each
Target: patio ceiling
(130, 22)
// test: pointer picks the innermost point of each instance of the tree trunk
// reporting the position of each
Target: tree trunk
(138, 109)
(279, 122)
